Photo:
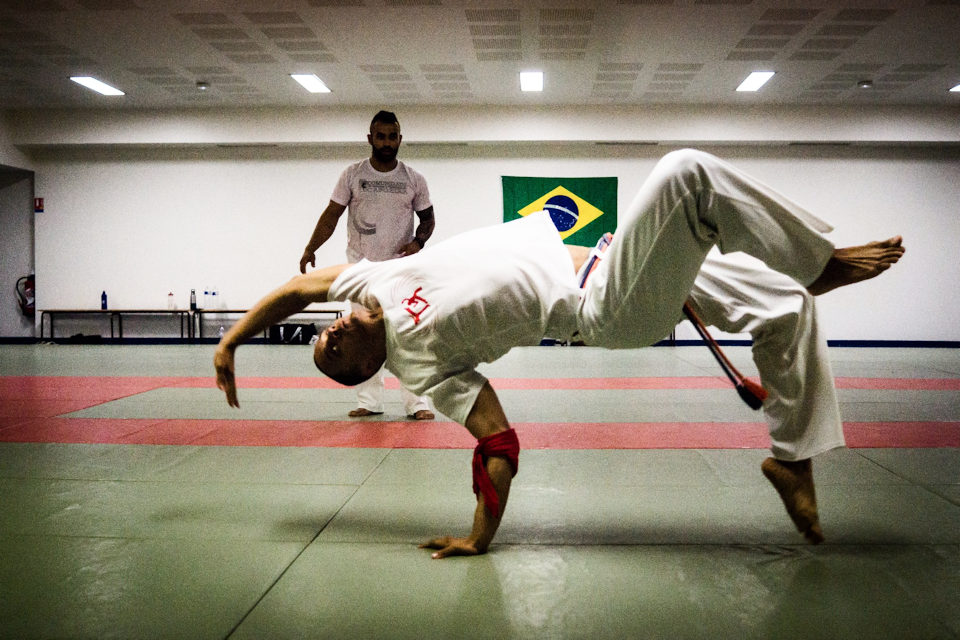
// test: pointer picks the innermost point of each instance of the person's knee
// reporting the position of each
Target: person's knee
(685, 161)
(687, 167)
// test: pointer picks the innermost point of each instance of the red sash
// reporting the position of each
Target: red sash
(500, 445)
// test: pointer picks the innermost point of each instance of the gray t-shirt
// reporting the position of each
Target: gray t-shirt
(381, 208)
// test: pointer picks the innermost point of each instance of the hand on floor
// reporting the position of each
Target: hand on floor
(449, 546)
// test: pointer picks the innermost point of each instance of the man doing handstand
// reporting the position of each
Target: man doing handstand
(431, 318)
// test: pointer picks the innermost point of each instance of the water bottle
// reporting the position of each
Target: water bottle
(103, 300)
(193, 299)
(215, 304)
(170, 304)
(206, 298)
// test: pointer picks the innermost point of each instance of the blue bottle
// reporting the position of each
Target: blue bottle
(103, 300)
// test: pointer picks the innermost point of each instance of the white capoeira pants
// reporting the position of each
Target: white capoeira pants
(737, 293)
(370, 396)
(690, 203)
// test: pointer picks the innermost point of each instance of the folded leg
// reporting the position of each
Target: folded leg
(691, 202)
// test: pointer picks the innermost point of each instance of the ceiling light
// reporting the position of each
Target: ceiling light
(956, 89)
(865, 84)
(531, 80)
(96, 85)
(755, 80)
(310, 82)
(202, 86)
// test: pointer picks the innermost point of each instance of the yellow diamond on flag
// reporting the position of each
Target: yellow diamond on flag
(569, 212)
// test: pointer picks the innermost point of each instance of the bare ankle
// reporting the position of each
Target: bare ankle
(793, 480)
(849, 265)
(796, 465)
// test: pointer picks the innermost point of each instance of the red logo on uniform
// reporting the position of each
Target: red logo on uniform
(415, 305)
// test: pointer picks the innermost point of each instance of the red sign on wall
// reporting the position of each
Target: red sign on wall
(38, 205)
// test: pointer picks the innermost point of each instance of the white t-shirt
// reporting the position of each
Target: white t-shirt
(381, 208)
(467, 300)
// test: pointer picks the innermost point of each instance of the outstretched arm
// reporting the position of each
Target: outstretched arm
(321, 233)
(274, 307)
(485, 419)
(422, 234)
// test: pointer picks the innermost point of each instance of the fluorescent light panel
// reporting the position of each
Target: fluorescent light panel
(531, 80)
(310, 82)
(755, 80)
(956, 89)
(96, 85)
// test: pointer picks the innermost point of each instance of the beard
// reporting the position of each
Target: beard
(384, 154)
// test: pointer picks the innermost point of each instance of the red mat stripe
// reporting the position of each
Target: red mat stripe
(104, 388)
(449, 435)
(29, 404)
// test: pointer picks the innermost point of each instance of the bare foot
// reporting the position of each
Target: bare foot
(423, 414)
(794, 482)
(855, 264)
(362, 413)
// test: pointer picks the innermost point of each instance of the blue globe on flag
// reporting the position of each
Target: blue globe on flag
(563, 211)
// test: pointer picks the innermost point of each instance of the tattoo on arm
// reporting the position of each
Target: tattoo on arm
(426, 226)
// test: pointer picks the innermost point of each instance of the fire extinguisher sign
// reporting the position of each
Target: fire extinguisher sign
(38, 205)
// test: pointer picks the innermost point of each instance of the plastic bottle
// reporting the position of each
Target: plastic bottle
(103, 300)
(215, 304)
(193, 299)
(170, 303)
(206, 298)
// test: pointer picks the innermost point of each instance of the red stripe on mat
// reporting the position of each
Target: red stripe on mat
(865, 435)
(449, 435)
(890, 384)
(47, 396)
(105, 388)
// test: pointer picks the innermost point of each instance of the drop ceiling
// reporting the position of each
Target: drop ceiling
(459, 52)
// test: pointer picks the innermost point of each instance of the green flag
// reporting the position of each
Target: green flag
(583, 209)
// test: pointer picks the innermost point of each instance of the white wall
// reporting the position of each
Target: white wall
(16, 228)
(10, 155)
(140, 203)
(16, 258)
(139, 222)
(676, 124)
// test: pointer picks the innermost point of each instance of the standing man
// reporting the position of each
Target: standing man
(382, 194)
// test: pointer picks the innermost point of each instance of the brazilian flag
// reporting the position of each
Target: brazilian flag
(583, 209)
